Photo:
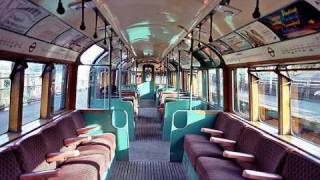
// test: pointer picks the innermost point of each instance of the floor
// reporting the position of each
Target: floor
(149, 155)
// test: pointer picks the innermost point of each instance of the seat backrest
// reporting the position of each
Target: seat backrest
(67, 126)
(270, 155)
(233, 128)
(221, 122)
(299, 165)
(54, 138)
(77, 119)
(9, 165)
(31, 153)
(248, 140)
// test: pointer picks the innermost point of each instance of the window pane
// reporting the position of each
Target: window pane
(59, 84)
(240, 91)
(268, 97)
(216, 88)
(32, 92)
(5, 86)
(305, 102)
(83, 86)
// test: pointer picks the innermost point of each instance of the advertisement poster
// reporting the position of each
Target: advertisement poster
(74, 40)
(296, 20)
(236, 42)
(222, 47)
(19, 15)
(258, 34)
(48, 29)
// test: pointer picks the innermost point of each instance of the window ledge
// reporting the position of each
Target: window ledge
(26, 129)
(297, 142)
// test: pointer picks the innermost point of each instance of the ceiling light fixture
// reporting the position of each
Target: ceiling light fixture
(60, 9)
(82, 26)
(256, 14)
(210, 38)
(95, 35)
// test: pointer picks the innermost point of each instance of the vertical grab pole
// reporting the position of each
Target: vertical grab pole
(167, 74)
(120, 75)
(191, 71)
(178, 78)
(110, 70)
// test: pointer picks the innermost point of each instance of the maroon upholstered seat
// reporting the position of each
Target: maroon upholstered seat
(31, 154)
(299, 165)
(106, 138)
(92, 165)
(9, 166)
(205, 149)
(269, 155)
(193, 138)
(217, 169)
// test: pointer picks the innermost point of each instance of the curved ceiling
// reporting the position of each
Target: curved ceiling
(151, 27)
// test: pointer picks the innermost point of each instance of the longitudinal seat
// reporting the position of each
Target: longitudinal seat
(35, 158)
(59, 150)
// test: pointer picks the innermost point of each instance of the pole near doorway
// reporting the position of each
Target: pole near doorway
(110, 70)
(178, 78)
(191, 71)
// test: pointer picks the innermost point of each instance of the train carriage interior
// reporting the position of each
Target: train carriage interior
(159, 90)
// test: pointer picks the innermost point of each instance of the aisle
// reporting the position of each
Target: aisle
(149, 155)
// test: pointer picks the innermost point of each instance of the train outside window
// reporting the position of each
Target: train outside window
(268, 97)
(305, 100)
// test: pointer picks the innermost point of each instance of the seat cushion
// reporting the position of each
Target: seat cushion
(93, 165)
(193, 138)
(199, 149)
(106, 140)
(95, 149)
(217, 169)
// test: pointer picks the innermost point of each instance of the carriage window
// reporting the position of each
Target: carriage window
(32, 92)
(5, 87)
(59, 88)
(305, 100)
(268, 97)
(241, 91)
(216, 88)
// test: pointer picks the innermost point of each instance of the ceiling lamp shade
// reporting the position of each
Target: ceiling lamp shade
(82, 26)
(60, 9)
(256, 14)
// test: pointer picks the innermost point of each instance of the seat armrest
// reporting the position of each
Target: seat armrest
(76, 140)
(243, 157)
(212, 132)
(61, 156)
(42, 175)
(86, 130)
(259, 175)
(223, 142)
